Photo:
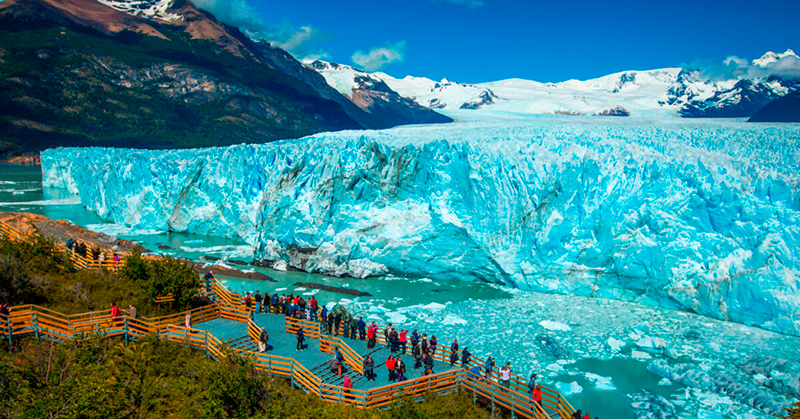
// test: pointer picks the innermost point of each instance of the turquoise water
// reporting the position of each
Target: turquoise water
(490, 319)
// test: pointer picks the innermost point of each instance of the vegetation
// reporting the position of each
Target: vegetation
(155, 379)
(35, 273)
(159, 277)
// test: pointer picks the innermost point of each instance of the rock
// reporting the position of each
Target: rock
(210, 258)
(237, 262)
(615, 111)
(164, 247)
(221, 270)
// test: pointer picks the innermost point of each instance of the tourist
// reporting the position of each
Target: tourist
(257, 298)
(425, 345)
(348, 385)
(433, 344)
(428, 362)
(336, 362)
(312, 307)
(391, 364)
(394, 340)
(330, 323)
(577, 414)
(536, 394)
(116, 263)
(369, 368)
(361, 328)
(466, 358)
(587, 416)
(386, 331)
(188, 320)
(4, 311)
(102, 259)
(371, 337)
(209, 276)
(353, 326)
(489, 367)
(282, 304)
(402, 340)
(505, 375)
(346, 326)
(274, 303)
(417, 354)
(324, 317)
(263, 338)
(337, 320)
(475, 371)
(454, 352)
(132, 312)
(115, 314)
(534, 380)
(414, 338)
(70, 242)
(401, 370)
(248, 301)
(300, 338)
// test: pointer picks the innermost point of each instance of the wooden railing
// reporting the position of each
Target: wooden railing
(49, 324)
(78, 261)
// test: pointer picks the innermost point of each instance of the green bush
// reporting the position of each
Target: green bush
(159, 277)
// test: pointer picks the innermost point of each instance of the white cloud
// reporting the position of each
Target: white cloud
(380, 56)
(785, 65)
(302, 42)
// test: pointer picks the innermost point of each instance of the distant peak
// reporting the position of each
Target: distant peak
(772, 57)
(151, 9)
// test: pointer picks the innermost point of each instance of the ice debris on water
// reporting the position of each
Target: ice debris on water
(648, 405)
(553, 325)
(569, 389)
(660, 213)
(720, 383)
(615, 344)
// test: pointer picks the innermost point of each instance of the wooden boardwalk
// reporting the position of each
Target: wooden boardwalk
(225, 328)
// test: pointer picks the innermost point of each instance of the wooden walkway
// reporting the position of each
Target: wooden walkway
(225, 328)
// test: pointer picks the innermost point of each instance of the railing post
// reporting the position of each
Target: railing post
(291, 376)
(10, 330)
(125, 325)
(36, 325)
(513, 414)
(493, 390)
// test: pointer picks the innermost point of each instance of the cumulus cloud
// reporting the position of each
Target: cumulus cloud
(472, 4)
(380, 56)
(786, 65)
(302, 42)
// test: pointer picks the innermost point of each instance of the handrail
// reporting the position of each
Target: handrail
(50, 324)
(78, 261)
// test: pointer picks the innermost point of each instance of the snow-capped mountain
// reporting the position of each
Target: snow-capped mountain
(671, 91)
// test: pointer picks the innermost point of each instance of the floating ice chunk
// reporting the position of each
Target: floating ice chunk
(194, 241)
(312, 292)
(664, 382)
(640, 355)
(281, 289)
(600, 382)
(434, 306)
(378, 310)
(569, 389)
(396, 318)
(452, 319)
(280, 265)
(300, 289)
(554, 325)
(615, 344)
(555, 368)
(649, 342)
(424, 280)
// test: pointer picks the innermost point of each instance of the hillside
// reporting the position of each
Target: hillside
(82, 73)
(785, 109)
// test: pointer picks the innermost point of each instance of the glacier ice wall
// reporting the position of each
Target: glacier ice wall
(699, 216)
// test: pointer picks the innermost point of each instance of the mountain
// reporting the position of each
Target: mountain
(785, 109)
(670, 91)
(374, 96)
(155, 74)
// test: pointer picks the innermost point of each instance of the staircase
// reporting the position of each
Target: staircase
(243, 343)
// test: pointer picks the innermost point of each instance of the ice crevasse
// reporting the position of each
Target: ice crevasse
(703, 217)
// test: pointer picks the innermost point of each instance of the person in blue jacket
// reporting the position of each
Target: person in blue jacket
(300, 338)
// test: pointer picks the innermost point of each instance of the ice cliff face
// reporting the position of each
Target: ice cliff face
(700, 217)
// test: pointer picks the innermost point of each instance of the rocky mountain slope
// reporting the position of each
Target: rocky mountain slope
(785, 109)
(157, 74)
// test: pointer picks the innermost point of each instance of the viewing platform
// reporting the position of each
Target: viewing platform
(224, 327)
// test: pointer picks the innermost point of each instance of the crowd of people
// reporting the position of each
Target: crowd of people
(96, 254)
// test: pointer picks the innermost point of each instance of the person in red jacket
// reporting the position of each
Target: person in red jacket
(537, 395)
(115, 313)
(391, 364)
(402, 339)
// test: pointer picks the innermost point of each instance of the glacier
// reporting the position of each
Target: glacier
(700, 216)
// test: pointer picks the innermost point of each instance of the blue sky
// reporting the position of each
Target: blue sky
(484, 40)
